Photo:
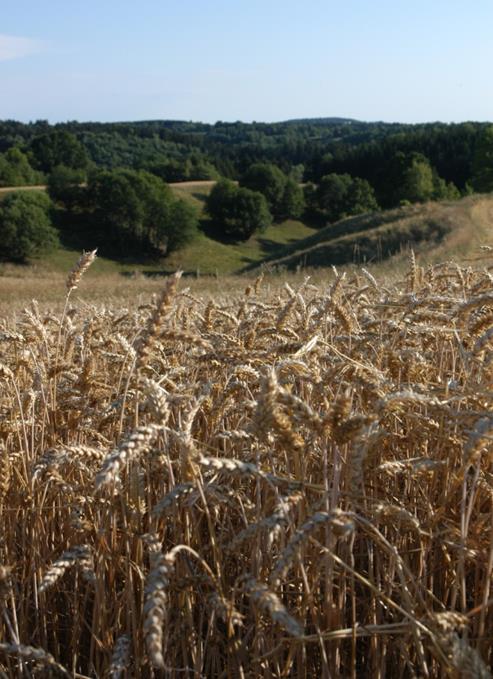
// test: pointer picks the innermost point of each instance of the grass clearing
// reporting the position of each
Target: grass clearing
(193, 192)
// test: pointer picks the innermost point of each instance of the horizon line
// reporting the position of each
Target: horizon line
(335, 119)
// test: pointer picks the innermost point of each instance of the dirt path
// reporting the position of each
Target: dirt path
(201, 182)
(43, 187)
(8, 189)
(482, 214)
(479, 230)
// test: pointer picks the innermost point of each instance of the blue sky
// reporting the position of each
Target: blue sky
(209, 60)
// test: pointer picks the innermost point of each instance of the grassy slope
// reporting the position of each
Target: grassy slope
(436, 230)
(203, 255)
(288, 245)
(471, 220)
(209, 256)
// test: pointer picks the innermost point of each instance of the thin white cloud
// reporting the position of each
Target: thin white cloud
(16, 47)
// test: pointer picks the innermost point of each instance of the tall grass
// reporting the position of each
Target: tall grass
(273, 484)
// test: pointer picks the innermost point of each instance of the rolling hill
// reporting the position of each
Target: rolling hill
(438, 230)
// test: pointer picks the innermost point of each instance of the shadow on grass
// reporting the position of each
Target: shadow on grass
(199, 196)
(214, 232)
(314, 220)
(162, 273)
(77, 232)
(271, 250)
(271, 247)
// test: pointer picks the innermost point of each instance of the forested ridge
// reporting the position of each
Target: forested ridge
(320, 145)
(109, 179)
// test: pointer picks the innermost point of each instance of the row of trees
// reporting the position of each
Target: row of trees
(412, 180)
(239, 211)
(128, 211)
(264, 194)
(125, 212)
(455, 153)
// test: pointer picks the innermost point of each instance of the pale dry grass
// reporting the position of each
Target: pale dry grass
(18, 288)
(276, 481)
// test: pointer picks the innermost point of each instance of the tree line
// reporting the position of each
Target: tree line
(125, 212)
(180, 150)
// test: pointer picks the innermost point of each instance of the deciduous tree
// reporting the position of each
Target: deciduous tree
(58, 148)
(15, 169)
(136, 212)
(26, 229)
(340, 195)
(236, 211)
(268, 180)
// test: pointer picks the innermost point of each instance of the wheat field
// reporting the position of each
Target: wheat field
(290, 482)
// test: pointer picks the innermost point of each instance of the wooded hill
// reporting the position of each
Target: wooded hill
(179, 150)
(108, 181)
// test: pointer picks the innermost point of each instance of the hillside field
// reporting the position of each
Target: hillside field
(204, 255)
(437, 229)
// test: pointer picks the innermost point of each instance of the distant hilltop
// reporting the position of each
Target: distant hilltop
(330, 120)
